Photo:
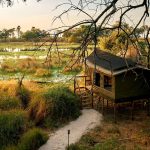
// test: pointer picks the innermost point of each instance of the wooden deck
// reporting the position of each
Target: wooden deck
(91, 98)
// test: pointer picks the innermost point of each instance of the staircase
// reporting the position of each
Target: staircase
(84, 90)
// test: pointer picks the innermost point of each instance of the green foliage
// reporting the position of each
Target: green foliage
(34, 34)
(24, 96)
(33, 139)
(12, 124)
(7, 103)
(66, 104)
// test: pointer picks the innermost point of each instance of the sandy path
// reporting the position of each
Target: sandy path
(58, 141)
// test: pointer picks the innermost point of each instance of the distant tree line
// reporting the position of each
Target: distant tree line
(108, 39)
(16, 35)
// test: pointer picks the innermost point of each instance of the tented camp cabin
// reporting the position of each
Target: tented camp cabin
(115, 78)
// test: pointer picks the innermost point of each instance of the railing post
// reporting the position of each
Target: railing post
(75, 85)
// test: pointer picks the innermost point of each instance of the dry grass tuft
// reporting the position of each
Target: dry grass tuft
(42, 72)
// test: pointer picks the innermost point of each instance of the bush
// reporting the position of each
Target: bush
(12, 124)
(33, 139)
(66, 104)
(24, 96)
(7, 103)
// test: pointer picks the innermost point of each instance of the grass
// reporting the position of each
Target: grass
(33, 105)
(114, 130)
(7, 103)
(33, 139)
(54, 106)
(12, 124)
(65, 103)
(125, 135)
(24, 95)
(38, 109)
(19, 120)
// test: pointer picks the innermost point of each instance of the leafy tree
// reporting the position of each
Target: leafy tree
(18, 29)
(34, 34)
(5, 33)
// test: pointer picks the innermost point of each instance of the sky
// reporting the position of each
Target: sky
(39, 14)
(29, 14)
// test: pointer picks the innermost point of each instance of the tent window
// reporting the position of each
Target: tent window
(108, 83)
(97, 79)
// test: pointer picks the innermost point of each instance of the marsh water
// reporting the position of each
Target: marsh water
(28, 52)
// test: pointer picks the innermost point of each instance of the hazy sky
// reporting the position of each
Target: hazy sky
(28, 14)
(38, 14)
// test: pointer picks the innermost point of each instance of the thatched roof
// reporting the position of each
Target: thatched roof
(108, 62)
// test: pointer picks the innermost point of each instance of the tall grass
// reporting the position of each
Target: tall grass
(12, 124)
(33, 139)
(54, 106)
(42, 72)
(66, 104)
(7, 102)
(24, 95)
(38, 109)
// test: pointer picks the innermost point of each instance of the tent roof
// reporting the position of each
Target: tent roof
(109, 62)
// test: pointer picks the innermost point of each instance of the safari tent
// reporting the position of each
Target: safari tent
(115, 79)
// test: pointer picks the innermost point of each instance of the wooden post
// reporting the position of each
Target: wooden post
(74, 85)
(148, 101)
(92, 100)
(115, 119)
(98, 103)
(85, 82)
(103, 106)
(107, 103)
(132, 110)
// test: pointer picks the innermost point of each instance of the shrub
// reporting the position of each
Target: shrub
(12, 124)
(7, 102)
(33, 139)
(24, 96)
(66, 104)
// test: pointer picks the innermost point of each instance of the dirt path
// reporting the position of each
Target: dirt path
(59, 140)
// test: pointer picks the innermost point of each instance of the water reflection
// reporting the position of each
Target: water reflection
(30, 49)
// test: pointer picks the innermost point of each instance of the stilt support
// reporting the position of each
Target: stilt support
(115, 107)
(148, 109)
(132, 110)
(103, 106)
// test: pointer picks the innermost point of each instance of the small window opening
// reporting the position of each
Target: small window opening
(108, 83)
(97, 79)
